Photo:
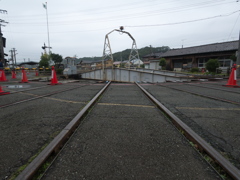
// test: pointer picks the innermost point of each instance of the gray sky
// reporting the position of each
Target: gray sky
(78, 27)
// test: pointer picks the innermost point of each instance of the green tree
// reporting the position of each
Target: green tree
(124, 55)
(163, 63)
(233, 57)
(56, 58)
(212, 65)
(44, 60)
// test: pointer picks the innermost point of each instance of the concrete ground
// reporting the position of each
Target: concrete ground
(126, 137)
(215, 121)
(29, 126)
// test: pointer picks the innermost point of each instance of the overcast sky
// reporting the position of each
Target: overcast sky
(78, 27)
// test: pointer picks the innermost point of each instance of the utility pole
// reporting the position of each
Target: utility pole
(182, 42)
(238, 57)
(1, 47)
(13, 64)
(1, 38)
(1, 43)
(14, 56)
(49, 50)
(151, 50)
(45, 6)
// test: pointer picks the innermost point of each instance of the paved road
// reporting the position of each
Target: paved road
(126, 137)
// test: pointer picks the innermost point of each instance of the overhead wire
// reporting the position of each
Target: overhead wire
(174, 23)
(105, 10)
(114, 17)
(233, 26)
(183, 22)
(129, 15)
(152, 25)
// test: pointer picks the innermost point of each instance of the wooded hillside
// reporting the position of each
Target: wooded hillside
(124, 55)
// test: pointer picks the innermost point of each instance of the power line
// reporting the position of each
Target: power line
(183, 22)
(70, 31)
(166, 24)
(129, 15)
(127, 6)
(233, 26)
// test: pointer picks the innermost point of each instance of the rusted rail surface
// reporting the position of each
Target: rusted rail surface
(192, 136)
(59, 141)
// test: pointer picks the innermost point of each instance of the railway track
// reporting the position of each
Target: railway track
(204, 95)
(37, 96)
(220, 89)
(56, 146)
(28, 89)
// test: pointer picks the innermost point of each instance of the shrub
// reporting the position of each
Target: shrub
(212, 65)
(59, 71)
(195, 69)
(162, 62)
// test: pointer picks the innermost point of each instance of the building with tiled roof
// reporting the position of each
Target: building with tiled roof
(197, 56)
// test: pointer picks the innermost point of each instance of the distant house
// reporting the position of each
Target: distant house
(152, 56)
(28, 64)
(92, 65)
(154, 64)
(70, 60)
(117, 64)
(146, 64)
(197, 56)
(127, 63)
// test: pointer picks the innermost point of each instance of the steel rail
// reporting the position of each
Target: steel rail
(37, 97)
(192, 136)
(191, 84)
(29, 89)
(198, 94)
(57, 143)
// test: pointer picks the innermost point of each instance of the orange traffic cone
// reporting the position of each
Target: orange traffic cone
(24, 77)
(232, 81)
(2, 75)
(54, 80)
(3, 92)
(36, 72)
(13, 75)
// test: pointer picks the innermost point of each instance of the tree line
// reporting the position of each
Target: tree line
(118, 56)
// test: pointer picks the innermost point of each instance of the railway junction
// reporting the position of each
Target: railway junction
(88, 129)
